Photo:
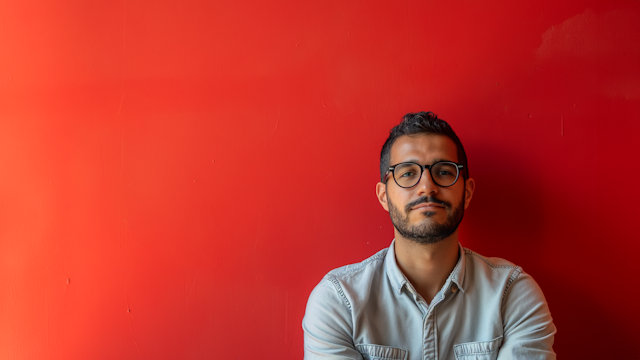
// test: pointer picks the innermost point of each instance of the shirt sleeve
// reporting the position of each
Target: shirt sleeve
(327, 325)
(528, 326)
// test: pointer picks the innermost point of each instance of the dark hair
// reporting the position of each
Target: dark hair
(421, 123)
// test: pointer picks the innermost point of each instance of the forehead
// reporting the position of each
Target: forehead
(424, 148)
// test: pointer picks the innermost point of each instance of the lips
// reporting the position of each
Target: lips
(428, 205)
(426, 202)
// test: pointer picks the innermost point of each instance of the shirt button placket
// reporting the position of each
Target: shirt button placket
(429, 340)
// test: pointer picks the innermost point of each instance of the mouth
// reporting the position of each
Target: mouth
(427, 203)
(428, 206)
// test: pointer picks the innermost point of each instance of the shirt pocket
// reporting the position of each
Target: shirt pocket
(479, 350)
(380, 352)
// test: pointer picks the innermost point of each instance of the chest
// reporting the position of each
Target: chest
(407, 328)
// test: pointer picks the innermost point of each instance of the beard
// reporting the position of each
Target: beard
(426, 231)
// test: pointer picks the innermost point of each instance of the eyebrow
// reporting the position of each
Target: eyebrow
(418, 162)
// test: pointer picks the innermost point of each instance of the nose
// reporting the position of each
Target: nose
(426, 186)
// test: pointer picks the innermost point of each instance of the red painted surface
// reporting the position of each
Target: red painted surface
(176, 177)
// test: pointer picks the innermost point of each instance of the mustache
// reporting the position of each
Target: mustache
(426, 199)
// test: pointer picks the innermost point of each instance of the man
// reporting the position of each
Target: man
(427, 297)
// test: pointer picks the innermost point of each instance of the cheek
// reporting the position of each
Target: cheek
(458, 192)
(455, 197)
(399, 199)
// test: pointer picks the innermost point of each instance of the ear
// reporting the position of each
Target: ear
(469, 187)
(381, 192)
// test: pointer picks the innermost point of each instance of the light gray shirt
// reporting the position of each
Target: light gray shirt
(487, 309)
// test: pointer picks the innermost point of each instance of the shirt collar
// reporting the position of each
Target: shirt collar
(398, 280)
(457, 275)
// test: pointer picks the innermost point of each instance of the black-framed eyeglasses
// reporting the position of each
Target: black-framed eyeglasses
(408, 174)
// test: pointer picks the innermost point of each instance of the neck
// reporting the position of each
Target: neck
(427, 266)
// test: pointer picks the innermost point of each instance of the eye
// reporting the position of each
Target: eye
(407, 172)
(444, 170)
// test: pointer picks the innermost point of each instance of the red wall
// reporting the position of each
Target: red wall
(177, 176)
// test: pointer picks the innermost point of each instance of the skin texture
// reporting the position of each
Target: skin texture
(426, 264)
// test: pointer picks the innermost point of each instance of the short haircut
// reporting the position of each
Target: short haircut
(421, 123)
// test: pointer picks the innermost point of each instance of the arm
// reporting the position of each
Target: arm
(327, 325)
(528, 326)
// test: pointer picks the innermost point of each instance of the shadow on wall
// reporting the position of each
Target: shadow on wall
(514, 217)
(506, 213)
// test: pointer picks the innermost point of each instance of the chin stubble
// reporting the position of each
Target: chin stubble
(426, 231)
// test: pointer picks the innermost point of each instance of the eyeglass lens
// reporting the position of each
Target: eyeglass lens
(408, 174)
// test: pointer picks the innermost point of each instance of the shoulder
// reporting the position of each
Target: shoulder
(490, 262)
(526, 319)
(500, 274)
(334, 305)
(492, 273)
(490, 268)
(331, 304)
(339, 285)
(528, 329)
(355, 272)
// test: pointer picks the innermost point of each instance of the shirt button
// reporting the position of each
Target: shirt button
(454, 288)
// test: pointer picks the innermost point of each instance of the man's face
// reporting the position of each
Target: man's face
(426, 213)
